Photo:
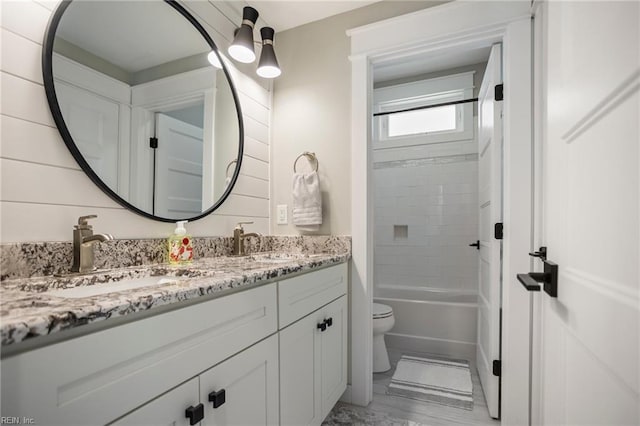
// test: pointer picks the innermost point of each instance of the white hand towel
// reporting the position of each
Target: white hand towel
(307, 201)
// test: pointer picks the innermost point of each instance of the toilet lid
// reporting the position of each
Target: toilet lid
(381, 311)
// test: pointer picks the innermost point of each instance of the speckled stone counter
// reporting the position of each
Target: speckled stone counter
(34, 259)
(28, 309)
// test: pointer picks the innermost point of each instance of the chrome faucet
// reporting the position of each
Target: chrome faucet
(238, 238)
(83, 241)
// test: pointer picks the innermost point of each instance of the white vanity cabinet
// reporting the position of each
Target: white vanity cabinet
(98, 378)
(313, 348)
(273, 354)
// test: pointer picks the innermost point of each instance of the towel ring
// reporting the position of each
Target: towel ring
(229, 165)
(311, 156)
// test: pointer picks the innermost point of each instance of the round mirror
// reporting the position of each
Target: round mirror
(140, 105)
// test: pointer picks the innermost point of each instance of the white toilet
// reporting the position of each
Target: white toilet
(383, 321)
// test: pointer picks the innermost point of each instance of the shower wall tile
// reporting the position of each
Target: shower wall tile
(433, 191)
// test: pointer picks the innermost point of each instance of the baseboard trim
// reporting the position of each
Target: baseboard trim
(450, 348)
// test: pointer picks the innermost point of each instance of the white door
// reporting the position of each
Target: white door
(591, 212)
(490, 205)
(178, 168)
(249, 381)
(167, 410)
(93, 122)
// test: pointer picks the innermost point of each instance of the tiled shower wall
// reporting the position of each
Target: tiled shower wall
(426, 215)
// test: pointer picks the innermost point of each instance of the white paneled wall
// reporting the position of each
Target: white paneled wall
(43, 191)
(432, 191)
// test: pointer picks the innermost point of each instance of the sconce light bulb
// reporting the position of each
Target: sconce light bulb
(268, 71)
(242, 54)
(214, 60)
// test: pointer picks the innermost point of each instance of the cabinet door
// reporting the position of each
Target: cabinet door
(250, 384)
(334, 354)
(300, 384)
(168, 409)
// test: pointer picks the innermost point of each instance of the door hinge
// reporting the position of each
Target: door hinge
(499, 92)
(153, 142)
(497, 231)
(497, 367)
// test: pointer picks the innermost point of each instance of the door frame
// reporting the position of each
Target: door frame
(177, 91)
(455, 25)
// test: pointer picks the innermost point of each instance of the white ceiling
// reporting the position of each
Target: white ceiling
(284, 15)
(429, 63)
(102, 29)
(163, 35)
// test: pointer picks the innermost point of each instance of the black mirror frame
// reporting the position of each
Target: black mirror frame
(47, 73)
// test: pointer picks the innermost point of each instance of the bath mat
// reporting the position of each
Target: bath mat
(443, 381)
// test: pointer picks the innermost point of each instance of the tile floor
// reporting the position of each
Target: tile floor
(387, 410)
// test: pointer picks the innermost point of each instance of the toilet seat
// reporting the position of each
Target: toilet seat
(382, 311)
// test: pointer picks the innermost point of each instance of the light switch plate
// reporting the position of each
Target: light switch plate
(281, 214)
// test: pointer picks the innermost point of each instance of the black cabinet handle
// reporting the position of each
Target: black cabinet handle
(329, 322)
(195, 414)
(476, 245)
(322, 326)
(217, 398)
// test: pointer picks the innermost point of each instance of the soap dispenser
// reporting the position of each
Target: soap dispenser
(180, 249)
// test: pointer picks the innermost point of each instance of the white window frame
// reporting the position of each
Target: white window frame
(432, 91)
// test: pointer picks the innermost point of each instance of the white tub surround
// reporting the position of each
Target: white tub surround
(432, 321)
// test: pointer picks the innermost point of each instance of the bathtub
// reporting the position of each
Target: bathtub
(432, 320)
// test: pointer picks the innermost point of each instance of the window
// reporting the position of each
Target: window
(431, 120)
(423, 126)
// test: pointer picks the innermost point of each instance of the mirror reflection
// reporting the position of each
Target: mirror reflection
(148, 113)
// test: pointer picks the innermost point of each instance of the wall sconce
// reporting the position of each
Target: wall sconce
(268, 65)
(242, 48)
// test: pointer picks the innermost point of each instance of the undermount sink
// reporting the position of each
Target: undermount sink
(272, 260)
(278, 257)
(122, 285)
(77, 286)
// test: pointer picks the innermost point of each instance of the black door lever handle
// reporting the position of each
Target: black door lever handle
(530, 281)
(541, 253)
(549, 279)
(476, 245)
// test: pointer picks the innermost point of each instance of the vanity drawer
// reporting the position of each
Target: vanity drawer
(97, 378)
(304, 294)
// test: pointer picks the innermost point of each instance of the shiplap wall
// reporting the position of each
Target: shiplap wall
(43, 190)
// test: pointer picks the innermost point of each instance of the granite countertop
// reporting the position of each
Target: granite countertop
(30, 308)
